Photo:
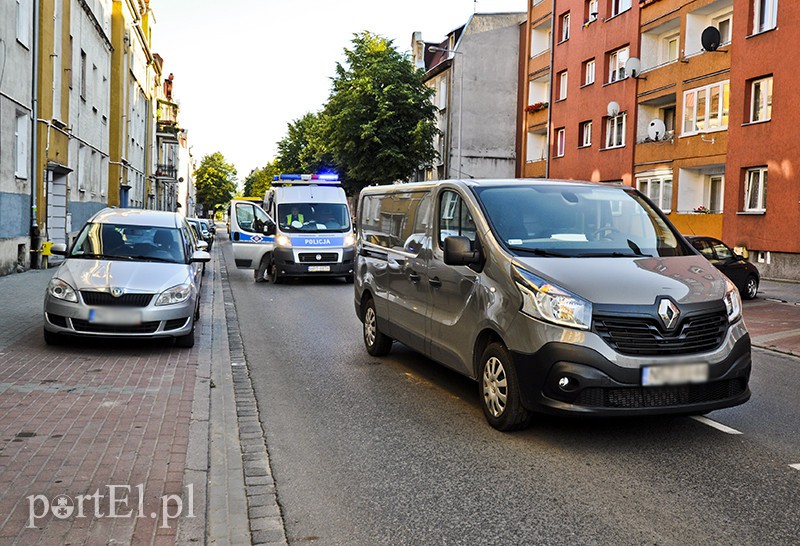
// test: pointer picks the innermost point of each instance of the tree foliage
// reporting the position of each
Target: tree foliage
(259, 180)
(215, 181)
(379, 122)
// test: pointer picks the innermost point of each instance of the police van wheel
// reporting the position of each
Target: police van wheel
(272, 272)
(500, 391)
(377, 343)
(260, 272)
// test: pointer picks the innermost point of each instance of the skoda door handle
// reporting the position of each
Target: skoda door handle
(435, 282)
(414, 277)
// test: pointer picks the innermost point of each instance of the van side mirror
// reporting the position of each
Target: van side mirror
(269, 228)
(458, 251)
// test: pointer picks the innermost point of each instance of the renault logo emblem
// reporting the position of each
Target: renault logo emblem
(669, 313)
(117, 292)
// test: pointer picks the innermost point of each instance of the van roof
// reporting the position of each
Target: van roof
(484, 182)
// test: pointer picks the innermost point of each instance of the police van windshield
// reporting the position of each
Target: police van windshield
(313, 217)
(578, 221)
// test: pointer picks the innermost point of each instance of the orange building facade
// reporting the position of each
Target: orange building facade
(674, 97)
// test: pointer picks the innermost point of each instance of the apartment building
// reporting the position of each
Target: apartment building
(16, 129)
(474, 72)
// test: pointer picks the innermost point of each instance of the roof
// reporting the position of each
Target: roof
(138, 217)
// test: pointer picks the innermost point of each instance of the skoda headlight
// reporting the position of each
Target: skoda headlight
(733, 302)
(176, 294)
(349, 240)
(551, 303)
(62, 290)
(283, 240)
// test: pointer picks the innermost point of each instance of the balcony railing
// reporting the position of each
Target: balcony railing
(166, 171)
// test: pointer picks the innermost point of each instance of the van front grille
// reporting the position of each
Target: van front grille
(643, 335)
(659, 397)
(324, 257)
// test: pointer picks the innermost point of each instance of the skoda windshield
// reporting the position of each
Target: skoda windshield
(313, 217)
(129, 243)
(578, 220)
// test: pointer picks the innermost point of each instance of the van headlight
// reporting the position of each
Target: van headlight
(283, 240)
(733, 302)
(546, 301)
(176, 294)
(61, 290)
(349, 240)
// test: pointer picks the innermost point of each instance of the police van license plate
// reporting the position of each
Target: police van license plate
(126, 317)
(678, 374)
(319, 268)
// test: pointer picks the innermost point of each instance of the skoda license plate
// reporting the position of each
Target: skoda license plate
(677, 374)
(124, 317)
(319, 268)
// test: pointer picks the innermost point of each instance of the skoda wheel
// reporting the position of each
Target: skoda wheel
(377, 343)
(500, 391)
(186, 341)
(750, 288)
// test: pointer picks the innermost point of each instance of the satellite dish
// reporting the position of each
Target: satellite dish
(656, 129)
(633, 67)
(613, 108)
(710, 39)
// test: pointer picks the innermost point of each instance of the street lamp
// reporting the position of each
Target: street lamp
(460, 99)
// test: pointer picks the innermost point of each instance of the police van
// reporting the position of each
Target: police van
(302, 228)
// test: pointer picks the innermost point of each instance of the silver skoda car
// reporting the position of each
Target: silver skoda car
(131, 273)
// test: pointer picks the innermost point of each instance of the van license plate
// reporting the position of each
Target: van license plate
(124, 317)
(678, 374)
(318, 268)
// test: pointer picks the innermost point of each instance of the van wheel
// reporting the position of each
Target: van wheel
(260, 272)
(750, 288)
(272, 272)
(500, 391)
(377, 343)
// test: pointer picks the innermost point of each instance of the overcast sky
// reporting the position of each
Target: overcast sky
(244, 69)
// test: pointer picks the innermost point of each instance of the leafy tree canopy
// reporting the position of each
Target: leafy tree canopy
(259, 180)
(379, 122)
(215, 181)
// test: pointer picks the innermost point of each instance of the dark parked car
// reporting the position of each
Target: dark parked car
(743, 274)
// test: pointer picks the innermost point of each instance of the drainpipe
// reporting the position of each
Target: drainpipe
(35, 233)
(550, 98)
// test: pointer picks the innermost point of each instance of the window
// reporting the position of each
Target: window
(565, 27)
(716, 186)
(724, 25)
(706, 108)
(755, 191)
(83, 74)
(765, 15)
(562, 85)
(23, 21)
(668, 116)
(592, 10)
(586, 133)
(618, 6)
(615, 131)
(21, 146)
(561, 142)
(588, 72)
(670, 45)
(442, 94)
(761, 100)
(454, 218)
(658, 189)
(616, 64)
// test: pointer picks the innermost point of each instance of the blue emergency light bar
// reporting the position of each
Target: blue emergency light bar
(313, 178)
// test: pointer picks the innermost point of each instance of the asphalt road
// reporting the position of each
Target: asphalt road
(396, 450)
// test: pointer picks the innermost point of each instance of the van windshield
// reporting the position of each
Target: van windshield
(313, 217)
(577, 221)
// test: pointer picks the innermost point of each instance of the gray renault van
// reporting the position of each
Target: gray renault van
(557, 297)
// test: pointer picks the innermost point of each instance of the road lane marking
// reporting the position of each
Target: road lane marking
(714, 424)
(795, 466)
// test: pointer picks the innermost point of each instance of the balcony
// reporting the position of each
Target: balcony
(167, 172)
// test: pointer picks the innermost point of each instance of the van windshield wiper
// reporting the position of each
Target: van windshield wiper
(540, 252)
(615, 254)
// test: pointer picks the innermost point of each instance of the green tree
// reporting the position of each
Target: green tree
(303, 149)
(259, 180)
(215, 181)
(379, 122)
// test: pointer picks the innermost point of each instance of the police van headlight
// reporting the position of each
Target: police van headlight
(283, 240)
(349, 240)
(551, 303)
(733, 302)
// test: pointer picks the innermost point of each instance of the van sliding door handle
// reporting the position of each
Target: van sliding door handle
(435, 282)
(413, 277)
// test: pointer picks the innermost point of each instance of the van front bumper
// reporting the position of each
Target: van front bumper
(289, 266)
(597, 386)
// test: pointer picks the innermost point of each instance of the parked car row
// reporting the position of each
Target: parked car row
(130, 273)
(741, 272)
